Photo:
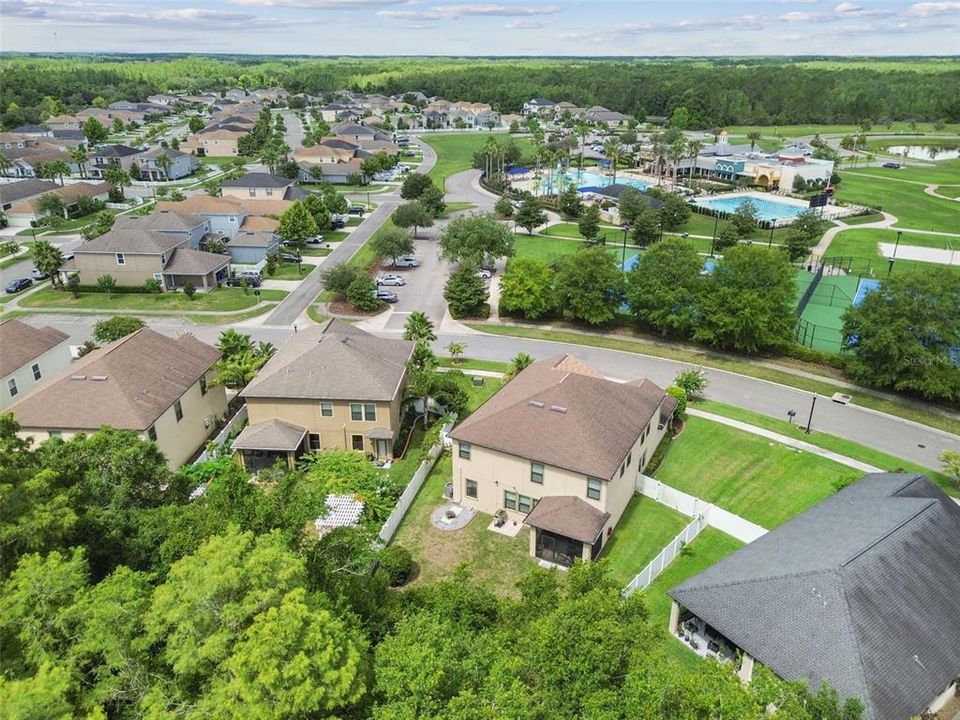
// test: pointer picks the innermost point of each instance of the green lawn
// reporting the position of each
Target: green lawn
(863, 219)
(230, 318)
(468, 364)
(354, 221)
(751, 476)
(793, 131)
(453, 207)
(951, 192)
(495, 561)
(946, 172)
(862, 244)
(220, 300)
(313, 251)
(455, 151)
(643, 531)
(9, 260)
(913, 208)
(551, 249)
(288, 271)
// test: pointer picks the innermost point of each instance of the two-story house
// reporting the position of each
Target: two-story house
(29, 356)
(329, 386)
(539, 106)
(559, 448)
(262, 186)
(154, 385)
(179, 166)
(103, 157)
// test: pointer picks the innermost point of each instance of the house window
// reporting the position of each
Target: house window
(252, 192)
(314, 440)
(121, 260)
(269, 192)
(369, 412)
(630, 458)
(178, 410)
(152, 433)
(623, 467)
(643, 459)
(464, 451)
(357, 442)
(536, 473)
(356, 411)
(472, 489)
(509, 500)
(326, 409)
(593, 488)
(36, 371)
(54, 433)
(526, 504)
(203, 386)
(12, 387)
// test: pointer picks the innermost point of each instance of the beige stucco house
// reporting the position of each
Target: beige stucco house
(157, 386)
(559, 448)
(29, 356)
(329, 386)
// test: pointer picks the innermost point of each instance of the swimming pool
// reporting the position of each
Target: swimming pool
(767, 209)
(585, 180)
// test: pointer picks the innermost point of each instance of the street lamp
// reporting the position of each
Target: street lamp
(660, 225)
(773, 224)
(890, 268)
(623, 256)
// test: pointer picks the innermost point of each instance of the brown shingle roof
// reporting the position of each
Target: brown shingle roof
(334, 361)
(270, 435)
(255, 223)
(568, 516)
(135, 241)
(194, 262)
(127, 384)
(557, 414)
(20, 343)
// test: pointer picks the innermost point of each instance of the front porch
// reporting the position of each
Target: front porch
(566, 529)
(260, 446)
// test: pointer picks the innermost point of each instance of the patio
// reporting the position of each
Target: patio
(451, 516)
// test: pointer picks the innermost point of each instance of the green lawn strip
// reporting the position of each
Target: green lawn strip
(314, 251)
(863, 219)
(836, 444)
(943, 171)
(756, 478)
(14, 259)
(862, 244)
(455, 150)
(209, 160)
(722, 362)
(495, 561)
(232, 317)
(335, 236)
(354, 221)
(550, 249)
(315, 314)
(912, 206)
(220, 300)
(795, 131)
(468, 364)
(453, 207)
(952, 192)
(288, 271)
(644, 529)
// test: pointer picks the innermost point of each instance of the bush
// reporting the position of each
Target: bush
(360, 294)
(152, 285)
(116, 327)
(189, 289)
(681, 395)
(692, 382)
(338, 278)
(397, 562)
(115, 195)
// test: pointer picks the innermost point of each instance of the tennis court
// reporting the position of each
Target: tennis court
(821, 324)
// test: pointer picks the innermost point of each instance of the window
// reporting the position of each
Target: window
(269, 192)
(163, 259)
(356, 411)
(252, 192)
(593, 488)
(472, 489)
(630, 458)
(36, 371)
(203, 385)
(326, 409)
(314, 440)
(369, 412)
(509, 500)
(623, 466)
(526, 504)
(152, 433)
(536, 473)
(54, 433)
(643, 459)
(357, 442)
(465, 451)
(121, 260)
(12, 387)
(178, 410)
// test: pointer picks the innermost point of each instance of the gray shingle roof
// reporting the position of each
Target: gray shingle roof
(136, 241)
(569, 516)
(23, 189)
(256, 179)
(334, 361)
(116, 151)
(559, 412)
(194, 262)
(21, 343)
(862, 590)
(270, 435)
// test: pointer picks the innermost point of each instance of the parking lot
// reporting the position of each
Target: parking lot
(424, 288)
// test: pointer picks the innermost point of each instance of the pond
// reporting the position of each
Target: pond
(925, 152)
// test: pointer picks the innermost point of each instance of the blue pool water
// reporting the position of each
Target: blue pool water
(766, 209)
(584, 179)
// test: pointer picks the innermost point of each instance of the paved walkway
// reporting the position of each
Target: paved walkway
(932, 190)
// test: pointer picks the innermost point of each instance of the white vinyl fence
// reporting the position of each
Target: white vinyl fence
(220, 440)
(665, 556)
(413, 487)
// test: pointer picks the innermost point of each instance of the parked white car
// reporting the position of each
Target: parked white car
(485, 274)
(386, 279)
(406, 261)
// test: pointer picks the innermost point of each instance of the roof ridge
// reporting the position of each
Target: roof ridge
(751, 580)
(931, 502)
(868, 701)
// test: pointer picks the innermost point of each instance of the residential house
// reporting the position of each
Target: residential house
(329, 386)
(29, 356)
(156, 386)
(15, 141)
(559, 448)
(262, 185)
(14, 192)
(335, 112)
(339, 173)
(600, 114)
(64, 122)
(861, 591)
(25, 161)
(181, 164)
(34, 130)
(508, 119)
(22, 212)
(328, 150)
(220, 137)
(161, 245)
(106, 155)
(354, 131)
(164, 99)
(538, 106)
(472, 115)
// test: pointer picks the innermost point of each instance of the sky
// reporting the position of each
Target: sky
(500, 27)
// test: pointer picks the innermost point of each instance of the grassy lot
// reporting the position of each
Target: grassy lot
(913, 208)
(793, 131)
(862, 244)
(314, 251)
(751, 476)
(468, 364)
(634, 344)
(354, 221)
(7, 261)
(220, 300)
(952, 191)
(645, 528)
(551, 249)
(829, 442)
(864, 219)
(946, 172)
(288, 271)
(230, 318)
(453, 207)
(455, 150)
(495, 561)
(207, 160)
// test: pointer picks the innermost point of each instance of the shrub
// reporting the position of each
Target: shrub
(397, 562)
(189, 289)
(681, 395)
(360, 294)
(116, 327)
(152, 285)
(693, 382)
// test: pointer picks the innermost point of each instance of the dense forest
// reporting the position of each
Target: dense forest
(720, 92)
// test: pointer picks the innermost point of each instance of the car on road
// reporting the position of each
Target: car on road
(289, 257)
(18, 285)
(483, 273)
(386, 296)
(253, 281)
(892, 165)
(357, 210)
(387, 279)
(38, 274)
(406, 261)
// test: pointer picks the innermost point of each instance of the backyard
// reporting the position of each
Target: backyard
(644, 529)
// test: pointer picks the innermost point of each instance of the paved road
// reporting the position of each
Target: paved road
(23, 268)
(294, 133)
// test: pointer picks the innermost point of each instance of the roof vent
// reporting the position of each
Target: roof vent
(78, 377)
(98, 378)
(558, 409)
(344, 339)
(535, 403)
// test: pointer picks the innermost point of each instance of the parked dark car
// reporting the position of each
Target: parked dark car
(385, 296)
(237, 281)
(18, 285)
(892, 165)
(338, 224)
(357, 210)
(289, 257)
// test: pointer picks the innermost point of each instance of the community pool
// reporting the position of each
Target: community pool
(585, 180)
(767, 209)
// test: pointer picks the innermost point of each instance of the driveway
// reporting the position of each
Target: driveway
(23, 268)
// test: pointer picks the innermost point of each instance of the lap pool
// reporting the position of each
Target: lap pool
(767, 209)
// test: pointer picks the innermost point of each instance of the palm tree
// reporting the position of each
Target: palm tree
(582, 131)
(611, 148)
(163, 161)
(79, 156)
(53, 169)
(232, 343)
(5, 164)
(693, 150)
(716, 134)
(659, 149)
(48, 259)
(520, 362)
(270, 156)
(117, 176)
(754, 136)
(456, 349)
(674, 153)
(419, 328)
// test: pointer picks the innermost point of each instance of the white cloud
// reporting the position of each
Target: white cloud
(926, 9)
(324, 4)
(525, 25)
(849, 9)
(453, 12)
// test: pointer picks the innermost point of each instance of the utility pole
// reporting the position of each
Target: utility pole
(810, 419)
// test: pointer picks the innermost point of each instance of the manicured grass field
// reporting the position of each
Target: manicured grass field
(863, 245)
(220, 300)
(945, 172)
(951, 192)
(863, 219)
(550, 249)
(455, 150)
(288, 271)
(793, 131)
(751, 476)
(644, 529)
(913, 208)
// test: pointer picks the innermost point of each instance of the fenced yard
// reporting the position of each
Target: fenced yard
(646, 526)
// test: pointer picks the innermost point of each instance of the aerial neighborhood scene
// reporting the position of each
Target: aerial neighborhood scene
(524, 360)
